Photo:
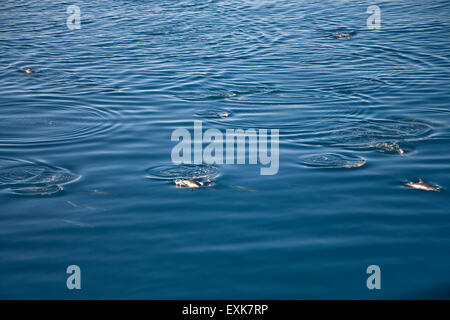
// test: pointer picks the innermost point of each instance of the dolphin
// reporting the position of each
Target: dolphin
(191, 183)
(27, 70)
(422, 185)
(389, 147)
(339, 35)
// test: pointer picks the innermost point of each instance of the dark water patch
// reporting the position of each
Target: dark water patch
(33, 178)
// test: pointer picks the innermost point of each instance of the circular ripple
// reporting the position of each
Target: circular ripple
(332, 161)
(352, 87)
(28, 178)
(45, 190)
(201, 173)
(309, 126)
(369, 133)
(221, 90)
(365, 134)
(289, 121)
(22, 124)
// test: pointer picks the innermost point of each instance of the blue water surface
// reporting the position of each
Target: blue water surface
(85, 149)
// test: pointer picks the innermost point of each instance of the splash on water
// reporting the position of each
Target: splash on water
(204, 174)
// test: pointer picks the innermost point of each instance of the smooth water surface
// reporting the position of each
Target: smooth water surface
(86, 176)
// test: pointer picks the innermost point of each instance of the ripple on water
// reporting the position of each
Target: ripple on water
(332, 161)
(362, 87)
(201, 173)
(370, 134)
(26, 124)
(290, 121)
(214, 114)
(218, 90)
(389, 147)
(30, 178)
(326, 127)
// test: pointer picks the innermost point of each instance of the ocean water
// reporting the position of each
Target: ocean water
(85, 149)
